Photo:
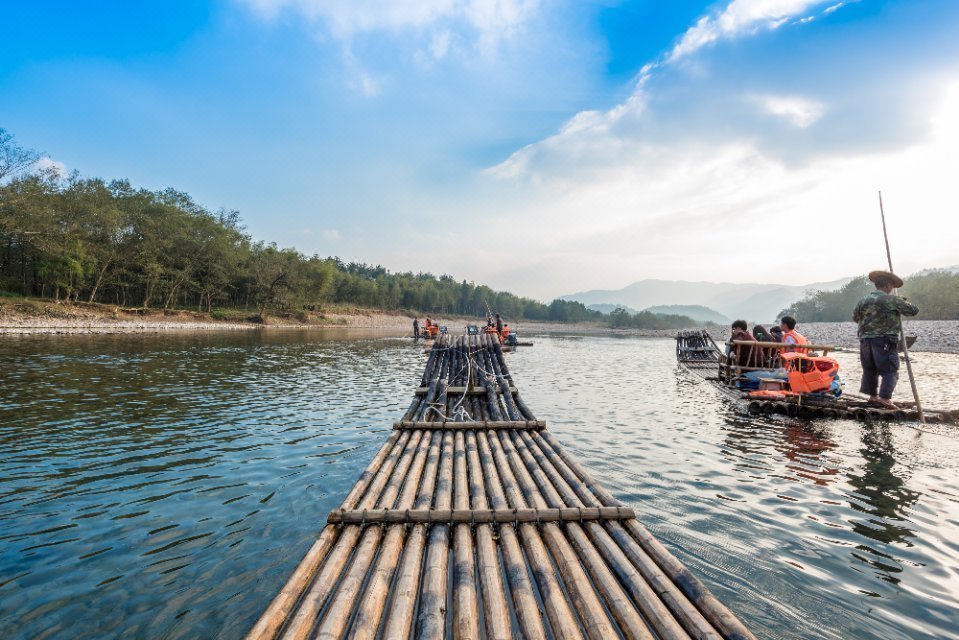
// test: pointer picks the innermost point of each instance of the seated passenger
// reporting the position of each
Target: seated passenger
(765, 356)
(745, 354)
(791, 336)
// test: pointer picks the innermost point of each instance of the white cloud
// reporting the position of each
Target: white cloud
(608, 209)
(47, 164)
(800, 112)
(331, 234)
(740, 17)
(440, 45)
(491, 19)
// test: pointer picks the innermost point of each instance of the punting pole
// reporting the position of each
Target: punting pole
(902, 333)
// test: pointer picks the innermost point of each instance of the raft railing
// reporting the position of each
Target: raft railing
(473, 521)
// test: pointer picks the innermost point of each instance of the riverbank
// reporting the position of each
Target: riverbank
(29, 316)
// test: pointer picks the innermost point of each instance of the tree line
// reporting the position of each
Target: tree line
(85, 239)
(935, 292)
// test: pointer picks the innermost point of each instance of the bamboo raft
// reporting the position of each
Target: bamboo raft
(698, 353)
(473, 521)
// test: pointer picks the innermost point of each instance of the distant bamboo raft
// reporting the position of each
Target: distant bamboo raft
(492, 530)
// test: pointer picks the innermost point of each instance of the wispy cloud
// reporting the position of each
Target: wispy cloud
(739, 18)
(489, 19)
(630, 190)
(800, 112)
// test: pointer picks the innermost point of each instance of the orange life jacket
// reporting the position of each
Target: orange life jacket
(798, 337)
(808, 374)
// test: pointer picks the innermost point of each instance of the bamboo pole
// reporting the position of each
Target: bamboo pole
(431, 617)
(344, 600)
(478, 516)
(275, 615)
(712, 609)
(460, 388)
(371, 608)
(562, 620)
(501, 372)
(782, 345)
(474, 424)
(582, 592)
(304, 618)
(495, 609)
(902, 331)
(630, 623)
(465, 608)
(650, 588)
(486, 363)
(399, 622)
(525, 605)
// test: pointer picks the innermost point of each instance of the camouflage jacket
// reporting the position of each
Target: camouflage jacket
(878, 314)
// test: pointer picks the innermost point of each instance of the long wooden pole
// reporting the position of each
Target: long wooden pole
(902, 333)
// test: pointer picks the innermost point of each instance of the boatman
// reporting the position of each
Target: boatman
(416, 329)
(879, 316)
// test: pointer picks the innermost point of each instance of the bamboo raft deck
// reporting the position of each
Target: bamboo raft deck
(473, 521)
(698, 353)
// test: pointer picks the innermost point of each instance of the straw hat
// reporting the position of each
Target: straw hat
(896, 280)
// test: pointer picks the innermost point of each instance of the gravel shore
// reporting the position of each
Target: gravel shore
(937, 336)
(47, 318)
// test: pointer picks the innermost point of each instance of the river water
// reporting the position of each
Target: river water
(165, 486)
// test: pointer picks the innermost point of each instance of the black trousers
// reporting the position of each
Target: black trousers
(879, 358)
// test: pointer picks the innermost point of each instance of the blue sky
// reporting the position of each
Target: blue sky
(593, 143)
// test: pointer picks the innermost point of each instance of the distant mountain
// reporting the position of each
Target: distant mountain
(694, 311)
(609, 308)
(751, 301)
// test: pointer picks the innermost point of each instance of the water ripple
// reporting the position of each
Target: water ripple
(175, 481)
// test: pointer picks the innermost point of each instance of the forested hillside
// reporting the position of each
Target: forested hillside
(93, 240)
(935, 292)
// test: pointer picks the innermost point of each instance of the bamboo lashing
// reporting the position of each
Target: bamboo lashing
(473, 424)
(477, 516)
(473, 522)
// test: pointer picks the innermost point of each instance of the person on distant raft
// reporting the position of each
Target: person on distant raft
(740, 332)
(499, 324)
(879, 316)
(790, 336)
(416, 329)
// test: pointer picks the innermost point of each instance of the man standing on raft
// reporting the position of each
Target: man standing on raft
(879, 315)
